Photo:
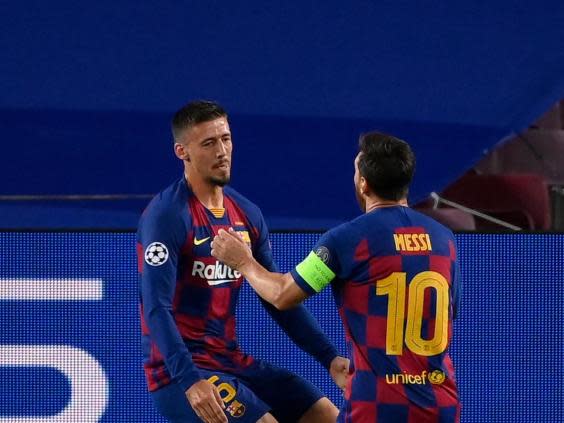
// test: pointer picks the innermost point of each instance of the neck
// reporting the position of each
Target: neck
(373, 203)
(210, 195)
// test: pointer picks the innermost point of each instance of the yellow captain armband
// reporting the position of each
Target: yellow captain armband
(315, 272)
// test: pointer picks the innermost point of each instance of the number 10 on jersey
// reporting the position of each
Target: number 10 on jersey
(395, 287)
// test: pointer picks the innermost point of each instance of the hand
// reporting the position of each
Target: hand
(339, 370)
(230, 248)
(204, 398)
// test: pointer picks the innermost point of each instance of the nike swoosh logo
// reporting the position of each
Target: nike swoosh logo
(219, 282)
(200, 241)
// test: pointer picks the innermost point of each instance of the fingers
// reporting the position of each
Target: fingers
(214, 413)
(223, 239)
(205, 413)
(204, 398)
(339, 370)
(342, 382)
(230, 234)
(237, 233)
(218, 245)
(340, 363)
(345, 364)
(220, 406)
(219, 399)
(211, 411)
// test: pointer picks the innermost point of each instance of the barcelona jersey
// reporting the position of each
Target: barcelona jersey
(188, 298)
(394, 276)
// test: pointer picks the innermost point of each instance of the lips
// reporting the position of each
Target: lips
(222, 165)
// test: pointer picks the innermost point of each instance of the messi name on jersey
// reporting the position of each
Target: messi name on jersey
(412, 240)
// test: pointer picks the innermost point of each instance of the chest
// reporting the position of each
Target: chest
(197, 264)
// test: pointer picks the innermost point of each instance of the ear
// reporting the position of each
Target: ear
(181, 151)
(364, 188)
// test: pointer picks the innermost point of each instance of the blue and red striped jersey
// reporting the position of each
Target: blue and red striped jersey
(188, 297)
(394, 276)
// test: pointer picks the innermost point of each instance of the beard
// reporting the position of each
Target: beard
(360, 199)
(219, 181)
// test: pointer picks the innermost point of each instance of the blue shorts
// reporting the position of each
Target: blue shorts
(259, 389)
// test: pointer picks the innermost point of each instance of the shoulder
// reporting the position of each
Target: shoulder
(344, 229)
(168, 206)
(355, 228)
(340, 236)
(252, 211)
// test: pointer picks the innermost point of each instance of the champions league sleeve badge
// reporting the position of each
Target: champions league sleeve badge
(156, 254)
(323, 253)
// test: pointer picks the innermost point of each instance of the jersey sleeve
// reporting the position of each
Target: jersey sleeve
(262, 250)
(320, 267)
(297, 322)
(304, 330)
(162, 235)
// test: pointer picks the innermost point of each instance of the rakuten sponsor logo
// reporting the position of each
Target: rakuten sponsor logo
(216, 273)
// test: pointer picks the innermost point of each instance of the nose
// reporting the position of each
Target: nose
(221, 150)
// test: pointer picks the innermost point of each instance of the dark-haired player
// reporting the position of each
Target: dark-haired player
(193, 365)
(394, 275)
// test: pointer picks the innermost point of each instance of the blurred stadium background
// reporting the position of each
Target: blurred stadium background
(86, 94)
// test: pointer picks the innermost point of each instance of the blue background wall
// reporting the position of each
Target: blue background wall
(87, 91)
(507, 345)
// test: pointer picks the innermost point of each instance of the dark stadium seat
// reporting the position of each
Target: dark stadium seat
(457, 220)
(535, 151)
(519, 199)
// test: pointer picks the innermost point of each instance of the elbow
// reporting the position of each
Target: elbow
(281, 305)
(284, 302)
(155, 313)
(279, 299)
(286, 296)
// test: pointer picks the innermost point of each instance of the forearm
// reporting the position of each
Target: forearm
(302, 328)
(275, 288)
(177, 357)
(281, 292)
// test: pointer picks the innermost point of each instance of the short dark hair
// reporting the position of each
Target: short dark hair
(387, 163)
(195, 112)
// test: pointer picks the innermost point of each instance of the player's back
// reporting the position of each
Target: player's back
(397, 295)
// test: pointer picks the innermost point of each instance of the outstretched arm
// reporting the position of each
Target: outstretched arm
(278, 289)
(284, 293)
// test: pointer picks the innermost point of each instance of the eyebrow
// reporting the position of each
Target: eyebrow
(214, 138)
